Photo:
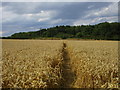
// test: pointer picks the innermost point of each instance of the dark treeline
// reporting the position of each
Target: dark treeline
(103, 31)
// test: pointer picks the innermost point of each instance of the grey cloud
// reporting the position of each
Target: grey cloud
(108, 13)
(77, 10)
(27, 16)
(31, 7)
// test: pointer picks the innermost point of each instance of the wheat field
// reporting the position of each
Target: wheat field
(95, 63)
(31, 64)
(59, 64)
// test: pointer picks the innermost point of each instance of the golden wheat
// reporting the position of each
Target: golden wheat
(95, 63)
(43, 64)
(31, 64)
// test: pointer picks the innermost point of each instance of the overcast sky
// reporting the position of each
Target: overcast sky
(26, 16)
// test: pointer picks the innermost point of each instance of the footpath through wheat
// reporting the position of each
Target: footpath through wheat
(67, 74)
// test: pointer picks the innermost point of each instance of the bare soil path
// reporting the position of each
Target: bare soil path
(67, 74)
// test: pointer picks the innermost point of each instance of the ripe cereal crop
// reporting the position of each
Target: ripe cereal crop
(59, 64)
(95, 63)
(31, 63)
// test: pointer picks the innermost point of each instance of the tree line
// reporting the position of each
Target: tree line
(101, 31)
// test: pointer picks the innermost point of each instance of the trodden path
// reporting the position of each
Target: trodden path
(67, 74)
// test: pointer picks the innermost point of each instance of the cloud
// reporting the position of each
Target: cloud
(95, 20)
(111, 10)
(1, 33)
(109, 14)
(41, 16)
(91, 6)
(61, 1)
(56, 21)
(43, 19)
(13, 22)
(27, 16)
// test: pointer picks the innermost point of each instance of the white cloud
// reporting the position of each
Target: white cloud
(109, 14)
(0, 12)
(91, 6)
(29, 15)
(0, 18)
(1, 32)
(9, 16)
(43, 19)
(106, 11)
(45, 15)
(60, 0)
(42, 14)
(95, 20)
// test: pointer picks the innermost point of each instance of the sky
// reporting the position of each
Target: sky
(31, 16)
